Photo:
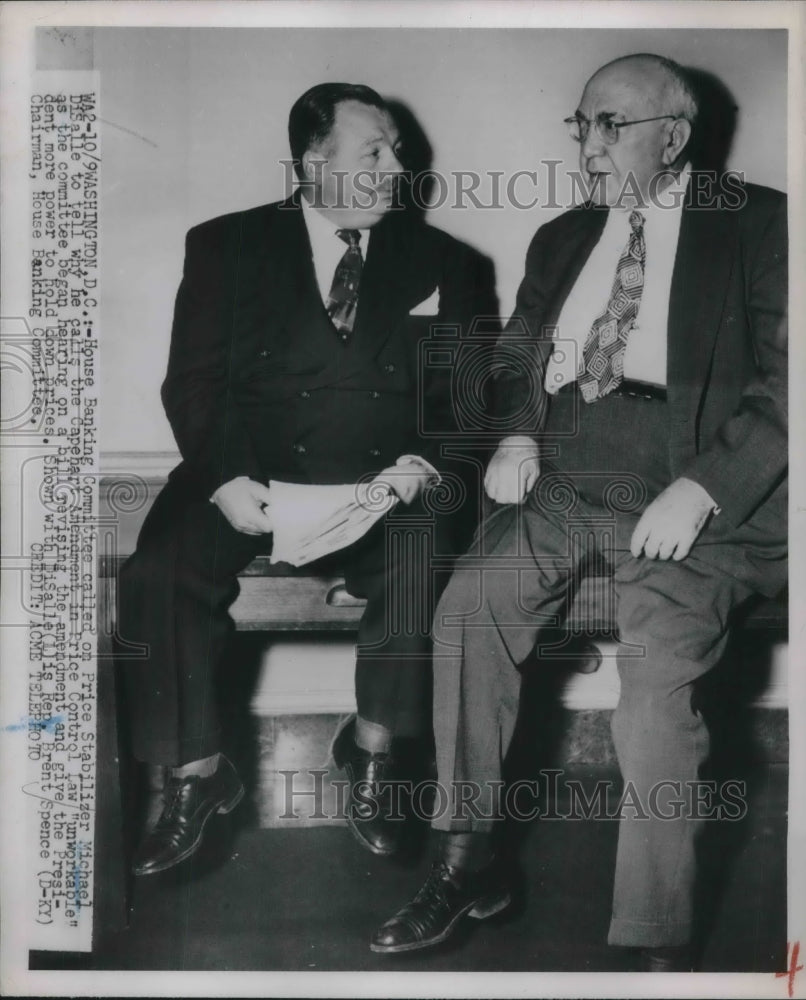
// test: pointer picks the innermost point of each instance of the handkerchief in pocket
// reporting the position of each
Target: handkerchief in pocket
(428, 307)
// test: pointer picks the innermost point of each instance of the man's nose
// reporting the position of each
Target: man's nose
(390, 163)
(592, 145)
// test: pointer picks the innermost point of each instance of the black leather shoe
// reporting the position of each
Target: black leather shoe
(189, 804)
(367, 804)
(668, 959)
(448, 895)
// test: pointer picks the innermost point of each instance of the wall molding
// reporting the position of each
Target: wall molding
(149, 464)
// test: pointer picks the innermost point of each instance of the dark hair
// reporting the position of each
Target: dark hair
(312, 116)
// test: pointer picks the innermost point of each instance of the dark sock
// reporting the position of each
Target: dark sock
(372, 736)
(204, 768)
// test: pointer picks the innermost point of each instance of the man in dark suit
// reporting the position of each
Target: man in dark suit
(656, 318)
(294, 357)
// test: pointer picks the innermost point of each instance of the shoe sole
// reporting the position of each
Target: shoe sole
(223, 809)
(229, 806)
(480, 910)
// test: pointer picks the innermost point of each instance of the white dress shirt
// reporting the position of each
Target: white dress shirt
(328, 248)
(645, 353)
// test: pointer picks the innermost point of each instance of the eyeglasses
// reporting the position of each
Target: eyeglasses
(606, 128)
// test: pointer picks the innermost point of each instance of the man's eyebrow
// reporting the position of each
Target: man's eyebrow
(599, 114)
(373, 139)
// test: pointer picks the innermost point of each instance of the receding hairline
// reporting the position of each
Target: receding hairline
(672, 75)
(328, 137)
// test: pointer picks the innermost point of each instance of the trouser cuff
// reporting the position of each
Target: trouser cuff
(175, 753)
(410, 724)
(470, 851)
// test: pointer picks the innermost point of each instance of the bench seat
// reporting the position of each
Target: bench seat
(280, 598)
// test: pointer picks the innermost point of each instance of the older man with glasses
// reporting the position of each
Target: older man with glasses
(657, 319)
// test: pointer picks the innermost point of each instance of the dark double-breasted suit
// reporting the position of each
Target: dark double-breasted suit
(723, 425)
(259, 384)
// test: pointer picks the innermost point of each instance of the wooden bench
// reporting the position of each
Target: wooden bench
(282, 599)
(279, 598)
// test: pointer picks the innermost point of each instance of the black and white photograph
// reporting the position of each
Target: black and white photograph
(396, 592)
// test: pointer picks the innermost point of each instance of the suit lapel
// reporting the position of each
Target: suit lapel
(291, 256)
(289, 297)
(384, 282)
(292, 286)
(702, 269)
(570, 252)
(570, 256)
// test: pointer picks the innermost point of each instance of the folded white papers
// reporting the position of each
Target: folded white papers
(312, 521)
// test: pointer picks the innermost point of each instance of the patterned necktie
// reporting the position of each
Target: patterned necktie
(602, 367)
(343, 298)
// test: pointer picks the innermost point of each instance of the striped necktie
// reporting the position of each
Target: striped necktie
(343, 298)
(602, 367)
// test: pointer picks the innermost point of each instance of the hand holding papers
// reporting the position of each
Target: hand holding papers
(244, 503)
(312, 521)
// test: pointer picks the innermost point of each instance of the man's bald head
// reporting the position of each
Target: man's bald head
(654, 80)
(649, 108)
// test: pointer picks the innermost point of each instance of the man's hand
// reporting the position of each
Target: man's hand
(671, 523)
(406, 479)
(513, 470)
(241, 501)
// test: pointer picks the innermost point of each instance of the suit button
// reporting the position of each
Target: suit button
(374, 395)
(305, 394)
(265, 354)
(374, 452)
(389, 369)
(300, 449)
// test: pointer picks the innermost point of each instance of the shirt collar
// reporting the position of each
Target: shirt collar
(321, 229)
(668, 201)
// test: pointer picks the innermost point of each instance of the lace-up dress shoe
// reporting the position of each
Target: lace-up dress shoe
(448, 895)
(669, 959)
(189, 804)
(367, 803)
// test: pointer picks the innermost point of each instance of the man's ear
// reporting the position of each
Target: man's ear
(676, 141)
(312, 162)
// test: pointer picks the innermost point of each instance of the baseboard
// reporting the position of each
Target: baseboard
(303, 676)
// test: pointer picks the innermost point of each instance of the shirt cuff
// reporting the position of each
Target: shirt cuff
(212, 499)
(434, 478)
(518, 441)
(715, 508)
